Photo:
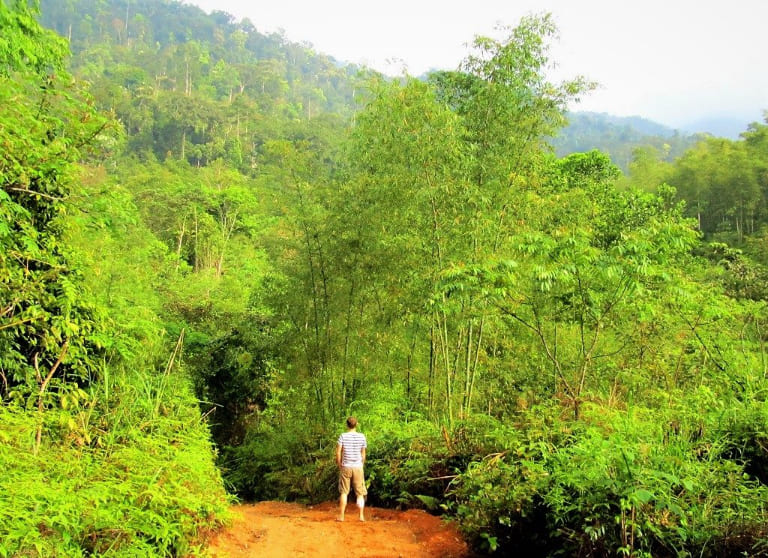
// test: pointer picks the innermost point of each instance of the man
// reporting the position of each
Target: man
(350, 457)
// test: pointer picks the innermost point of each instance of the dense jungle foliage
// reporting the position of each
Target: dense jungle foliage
(215, 244)
(102, 448)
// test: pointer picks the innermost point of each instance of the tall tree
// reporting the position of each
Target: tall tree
(445, 170)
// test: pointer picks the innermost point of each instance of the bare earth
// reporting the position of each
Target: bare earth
(281, 530)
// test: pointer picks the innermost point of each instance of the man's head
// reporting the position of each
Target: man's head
(351, 423)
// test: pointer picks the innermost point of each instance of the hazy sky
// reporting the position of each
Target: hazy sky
(674, 61)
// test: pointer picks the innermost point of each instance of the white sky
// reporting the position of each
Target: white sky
(673, 61)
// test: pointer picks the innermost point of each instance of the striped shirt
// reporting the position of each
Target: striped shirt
(352, 443)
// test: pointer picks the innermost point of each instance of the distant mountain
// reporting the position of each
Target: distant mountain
(721, 126)
(619, 136)
(637, 123)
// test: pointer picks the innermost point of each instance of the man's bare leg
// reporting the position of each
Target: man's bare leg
(342, 506)
(361, 506)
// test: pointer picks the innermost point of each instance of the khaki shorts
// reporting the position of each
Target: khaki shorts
(356, 476)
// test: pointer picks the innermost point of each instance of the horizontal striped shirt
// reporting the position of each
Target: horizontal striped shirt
(352, 444)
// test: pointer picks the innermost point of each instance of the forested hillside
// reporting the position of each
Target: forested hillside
(620, 137)
(194, 87)
(209, 233)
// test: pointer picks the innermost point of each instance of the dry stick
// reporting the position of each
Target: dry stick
(175, 352)
(181, 240)
(443, 477)
(43, 387)
(168, 367)
(210, 411)
(35, 193)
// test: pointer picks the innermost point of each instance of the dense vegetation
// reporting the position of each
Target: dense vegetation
(565, 358)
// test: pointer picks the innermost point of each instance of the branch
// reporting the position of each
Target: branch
(17, 322)
(540, 334)
(33, 193)
(55, 366)
(701, 342)
(612, 353)
(25, 259)
(588, 357)
(43, 386)
(90, 138)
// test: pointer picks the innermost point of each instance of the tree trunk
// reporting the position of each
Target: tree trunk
(180, 241)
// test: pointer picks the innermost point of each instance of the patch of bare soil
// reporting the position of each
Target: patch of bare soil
(282, 530)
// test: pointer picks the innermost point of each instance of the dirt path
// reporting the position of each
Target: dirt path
(280, 530)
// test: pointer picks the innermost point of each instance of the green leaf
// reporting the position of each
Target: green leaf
(430, 502)
(642, 496)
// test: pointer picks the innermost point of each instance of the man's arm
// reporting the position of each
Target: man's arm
(338, 455)
(362, 454)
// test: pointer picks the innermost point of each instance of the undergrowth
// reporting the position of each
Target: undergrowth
(128, 473)
(630, 481)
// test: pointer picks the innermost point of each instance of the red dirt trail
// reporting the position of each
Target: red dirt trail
(281, 530)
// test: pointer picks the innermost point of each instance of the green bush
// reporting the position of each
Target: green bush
(285, 458)
(281, 463)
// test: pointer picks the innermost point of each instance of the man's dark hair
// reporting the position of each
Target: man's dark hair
(351, 422)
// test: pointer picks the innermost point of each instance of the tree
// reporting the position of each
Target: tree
(25, 46)
(581, 298)
(304, 259)
(719, 181)
(444, 170)
(409, 211)
(648, 169)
